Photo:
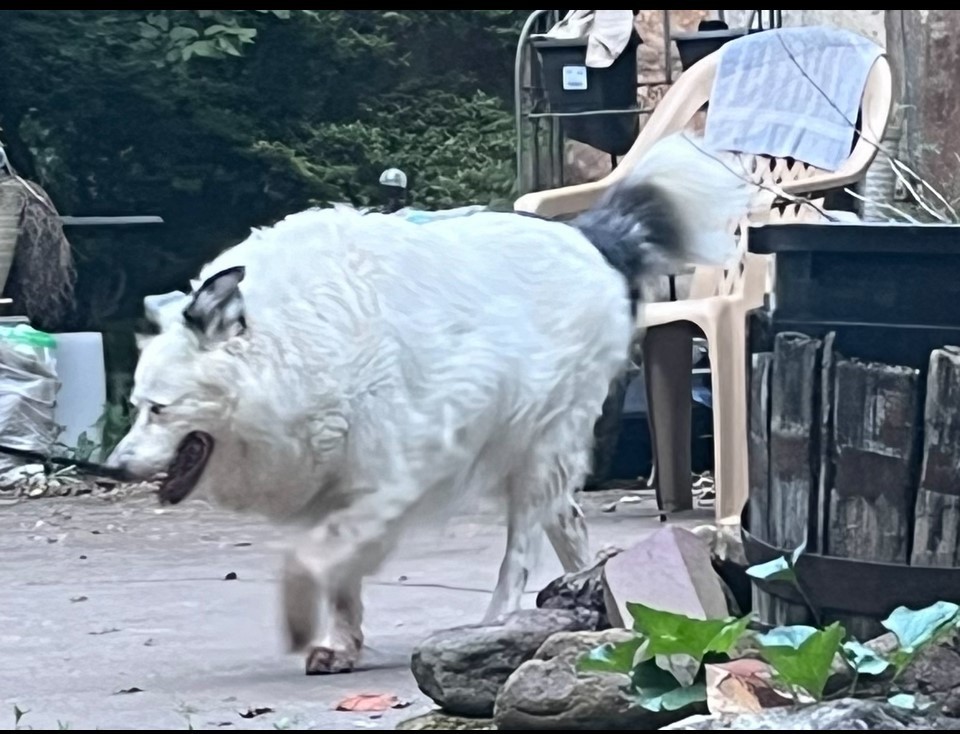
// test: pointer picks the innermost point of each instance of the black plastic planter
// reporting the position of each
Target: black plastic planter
(574, 88)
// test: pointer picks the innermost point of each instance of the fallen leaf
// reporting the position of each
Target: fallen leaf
(232, 576)
(254, 712)
(742, 686)
(105, 631)
(371, 702)
(132, 689)
(75, 599)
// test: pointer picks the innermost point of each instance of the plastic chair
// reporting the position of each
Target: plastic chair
(719, 300)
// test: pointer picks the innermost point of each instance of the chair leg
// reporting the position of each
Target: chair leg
(729, 387)
(667, 365)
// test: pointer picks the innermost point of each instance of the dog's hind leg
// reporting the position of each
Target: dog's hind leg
(568, 536)
(515, 568)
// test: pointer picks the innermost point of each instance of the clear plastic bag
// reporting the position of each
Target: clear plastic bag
(28, 393)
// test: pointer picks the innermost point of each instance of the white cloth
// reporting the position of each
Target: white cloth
(790, 93)
(607, 33)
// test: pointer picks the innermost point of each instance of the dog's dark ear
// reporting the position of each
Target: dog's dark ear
(215, 312)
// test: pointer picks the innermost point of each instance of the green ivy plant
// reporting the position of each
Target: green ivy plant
(664, 659)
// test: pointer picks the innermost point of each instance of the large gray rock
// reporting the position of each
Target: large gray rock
(580, 590)
(844, 714)
(462, 668)
(445, 722)
(670, 570)
(547, 692)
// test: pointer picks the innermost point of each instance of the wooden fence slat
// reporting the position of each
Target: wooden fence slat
(937, 513)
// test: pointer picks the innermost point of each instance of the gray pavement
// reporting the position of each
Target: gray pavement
(116, 615)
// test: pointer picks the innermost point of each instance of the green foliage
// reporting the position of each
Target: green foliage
(113, 425)
(863, 660)
(664, 657)
(802, 656)
(916, 629)
(779, 569)
(219, 120)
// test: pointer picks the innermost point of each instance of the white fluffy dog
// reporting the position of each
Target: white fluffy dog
(339, 371)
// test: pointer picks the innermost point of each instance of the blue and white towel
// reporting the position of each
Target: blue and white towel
(790, 93)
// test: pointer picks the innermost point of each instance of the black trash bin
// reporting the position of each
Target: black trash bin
(573, 87)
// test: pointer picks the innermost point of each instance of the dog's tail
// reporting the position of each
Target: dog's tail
(675, 207)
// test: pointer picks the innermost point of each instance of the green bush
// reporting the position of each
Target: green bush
(223, 120)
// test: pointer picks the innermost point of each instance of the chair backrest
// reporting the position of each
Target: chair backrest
(679, 109)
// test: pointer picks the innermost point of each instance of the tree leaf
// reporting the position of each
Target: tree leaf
(779, 569)
(183, 33)
(159, 20)
(214, 29)
(802, 656)
(225, 45)
(147, 31)
(611, 657)
(201, 48)
(864, 660)
(915, 628)
(676, 634)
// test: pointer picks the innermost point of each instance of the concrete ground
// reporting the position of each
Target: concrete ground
(115, 614)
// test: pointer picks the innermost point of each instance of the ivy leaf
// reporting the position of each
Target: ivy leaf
(613, 657)
(779, 569)
(915, 628)
(864, 660)
(676, 634)
(657, 690)
(801, 655)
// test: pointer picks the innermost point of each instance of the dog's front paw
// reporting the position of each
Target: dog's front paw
(324, 661)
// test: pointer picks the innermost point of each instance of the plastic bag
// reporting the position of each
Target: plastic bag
(28, 393)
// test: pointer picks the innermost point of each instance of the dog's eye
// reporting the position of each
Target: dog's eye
(157, 409)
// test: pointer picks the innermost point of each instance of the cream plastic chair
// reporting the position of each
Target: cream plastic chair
(719, 300)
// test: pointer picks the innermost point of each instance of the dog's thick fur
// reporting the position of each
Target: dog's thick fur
(354, 368)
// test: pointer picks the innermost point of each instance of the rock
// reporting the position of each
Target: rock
(462, 668)
(936, 673)
(844, 714)
(445, 722)
(580, 590)
(670, 570)
(547, 692)
(730, 562)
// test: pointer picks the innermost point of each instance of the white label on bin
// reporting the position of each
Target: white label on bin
(575, 77)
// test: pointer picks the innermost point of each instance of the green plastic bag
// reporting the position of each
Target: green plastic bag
(27, 336)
